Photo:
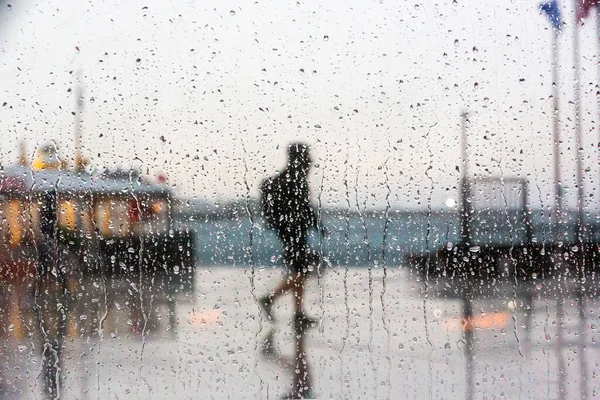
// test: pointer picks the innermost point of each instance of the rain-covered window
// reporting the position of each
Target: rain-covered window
(341, 200)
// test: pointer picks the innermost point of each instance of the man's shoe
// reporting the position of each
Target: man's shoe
(266, 303)
(268, 347)
(305, 395)
(302, 321)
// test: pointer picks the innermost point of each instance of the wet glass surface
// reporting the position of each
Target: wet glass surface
(299, 199)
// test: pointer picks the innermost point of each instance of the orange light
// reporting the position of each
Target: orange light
(157, 207)
(482, 321)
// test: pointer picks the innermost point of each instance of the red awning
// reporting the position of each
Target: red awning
(14, 184)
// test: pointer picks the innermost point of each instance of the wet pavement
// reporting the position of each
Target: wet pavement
(138, 339)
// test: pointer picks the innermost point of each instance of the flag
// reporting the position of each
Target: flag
(552, 11)
(583, 8)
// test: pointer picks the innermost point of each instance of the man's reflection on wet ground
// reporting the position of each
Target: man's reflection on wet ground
(297, 364)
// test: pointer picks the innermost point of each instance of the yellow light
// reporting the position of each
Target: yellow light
(67, 215)
(15, 223)
(157, 207)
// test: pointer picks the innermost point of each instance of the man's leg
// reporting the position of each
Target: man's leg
(302, 321)
(294, 258)
(285, 286)
(290, 261)
(266, 302)
(295, 282)
(299, 282)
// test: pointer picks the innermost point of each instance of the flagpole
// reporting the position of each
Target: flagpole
(78, 119)
(598, 87)
(558, 201)
(552, 11)
(578, 144)
(556, 134)
(580, 198)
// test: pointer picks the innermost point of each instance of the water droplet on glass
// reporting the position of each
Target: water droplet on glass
(574, 249)
(326, 37)
(474, 249)
(416, 6)
(138, 61)
(232, 12)
(476, 85)
(447, 346)
(456, 42)
(512, 305)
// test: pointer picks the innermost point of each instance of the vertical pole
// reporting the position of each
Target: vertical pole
(465, 189)
(79, 204)
(468, 328)
(556, 135)
(525, 214)
(598, 93)
(465, 221)
(578, 141)
(560, 232)
(77, 133)
(560, 342)
(580, 259)
(23, 160)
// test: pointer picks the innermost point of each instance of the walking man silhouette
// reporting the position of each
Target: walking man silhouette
(286, 208)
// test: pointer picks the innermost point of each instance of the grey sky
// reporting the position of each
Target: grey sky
(361, 81)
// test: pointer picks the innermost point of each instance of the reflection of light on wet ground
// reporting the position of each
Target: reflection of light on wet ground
(196, 318)
(481, 321)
